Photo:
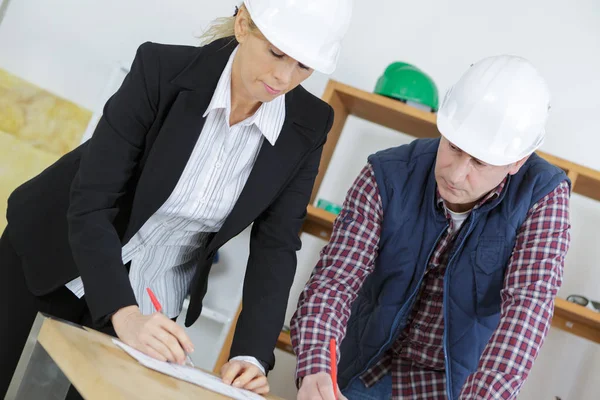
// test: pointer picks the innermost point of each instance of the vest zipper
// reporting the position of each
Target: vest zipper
(446, 361)
(402, 310)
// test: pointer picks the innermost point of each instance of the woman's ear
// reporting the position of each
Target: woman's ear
(242, 25)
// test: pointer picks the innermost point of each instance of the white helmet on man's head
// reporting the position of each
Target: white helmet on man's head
(310, 31)
(497, 111)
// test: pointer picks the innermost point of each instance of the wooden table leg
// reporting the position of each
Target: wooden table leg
(224, 354)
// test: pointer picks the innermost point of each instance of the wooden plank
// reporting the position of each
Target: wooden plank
(577, 313)
(316, 230)
(318, 222)
(573, 175)
(568, 316)
(576, 328)
(284, 342)
(347, 100)
(578, 320)
(587, 180)
(226, 348)
(559, 162)
(587, 186)
(570, 166)
(320, 216)
(339, 120)
(388, 112)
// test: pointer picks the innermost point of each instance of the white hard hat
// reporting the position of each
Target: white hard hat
(309, 31)
(497, 111)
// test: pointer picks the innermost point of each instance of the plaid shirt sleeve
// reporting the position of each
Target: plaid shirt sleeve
(533, 277)
(345, 262)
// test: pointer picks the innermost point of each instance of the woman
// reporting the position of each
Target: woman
(196, 144)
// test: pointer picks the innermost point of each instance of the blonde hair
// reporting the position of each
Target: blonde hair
(225, 27)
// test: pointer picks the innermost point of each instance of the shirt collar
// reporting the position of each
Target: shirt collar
(490, 196)
(269, 117)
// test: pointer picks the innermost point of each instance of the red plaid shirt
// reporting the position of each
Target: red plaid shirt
(416, 360)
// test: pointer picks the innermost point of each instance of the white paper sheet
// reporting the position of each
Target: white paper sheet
(189, 374)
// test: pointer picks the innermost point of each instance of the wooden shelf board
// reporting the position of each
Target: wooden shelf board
(397, 115)
(320, 216)
(585, 181)
(587, 186)
(577, 313)
(318, 222)
(568, 316)
(284, 342)
(578, 320)
(388, 112)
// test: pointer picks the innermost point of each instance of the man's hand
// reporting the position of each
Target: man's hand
(245, 375)
(155, 335)
(318, 387)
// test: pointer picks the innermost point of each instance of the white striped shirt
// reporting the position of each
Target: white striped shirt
(164, 252)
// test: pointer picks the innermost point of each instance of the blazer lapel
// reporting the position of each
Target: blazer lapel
(273, 167)
(179, 132)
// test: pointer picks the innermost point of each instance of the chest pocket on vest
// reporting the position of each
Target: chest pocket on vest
(489, 260)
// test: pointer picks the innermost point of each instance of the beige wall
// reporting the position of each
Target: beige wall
(36, 128)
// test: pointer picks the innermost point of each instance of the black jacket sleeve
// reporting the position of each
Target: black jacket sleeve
(107, 164)
(272, 262)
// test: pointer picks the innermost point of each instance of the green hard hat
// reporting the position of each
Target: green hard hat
(406, 82)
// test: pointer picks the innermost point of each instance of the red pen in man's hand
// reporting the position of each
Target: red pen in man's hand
(158, 307)
(333, 365)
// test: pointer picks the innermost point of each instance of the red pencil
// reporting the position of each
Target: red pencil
(158, 308)
(333, 365)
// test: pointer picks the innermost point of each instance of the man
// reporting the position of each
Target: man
(441, 272)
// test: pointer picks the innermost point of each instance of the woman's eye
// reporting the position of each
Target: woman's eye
(276, 54)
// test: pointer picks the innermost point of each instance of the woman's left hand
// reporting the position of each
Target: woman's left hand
(245, 375)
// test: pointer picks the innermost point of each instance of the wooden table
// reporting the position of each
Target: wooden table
(96, 367)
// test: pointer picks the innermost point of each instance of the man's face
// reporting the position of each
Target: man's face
(463, 180)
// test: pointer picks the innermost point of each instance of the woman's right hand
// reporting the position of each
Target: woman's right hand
(155, 335)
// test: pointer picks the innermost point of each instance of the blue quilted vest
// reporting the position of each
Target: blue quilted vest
(412, 225)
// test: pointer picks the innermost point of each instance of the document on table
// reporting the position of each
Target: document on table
(189, 374)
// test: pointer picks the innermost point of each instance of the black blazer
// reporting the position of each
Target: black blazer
(74, 218)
